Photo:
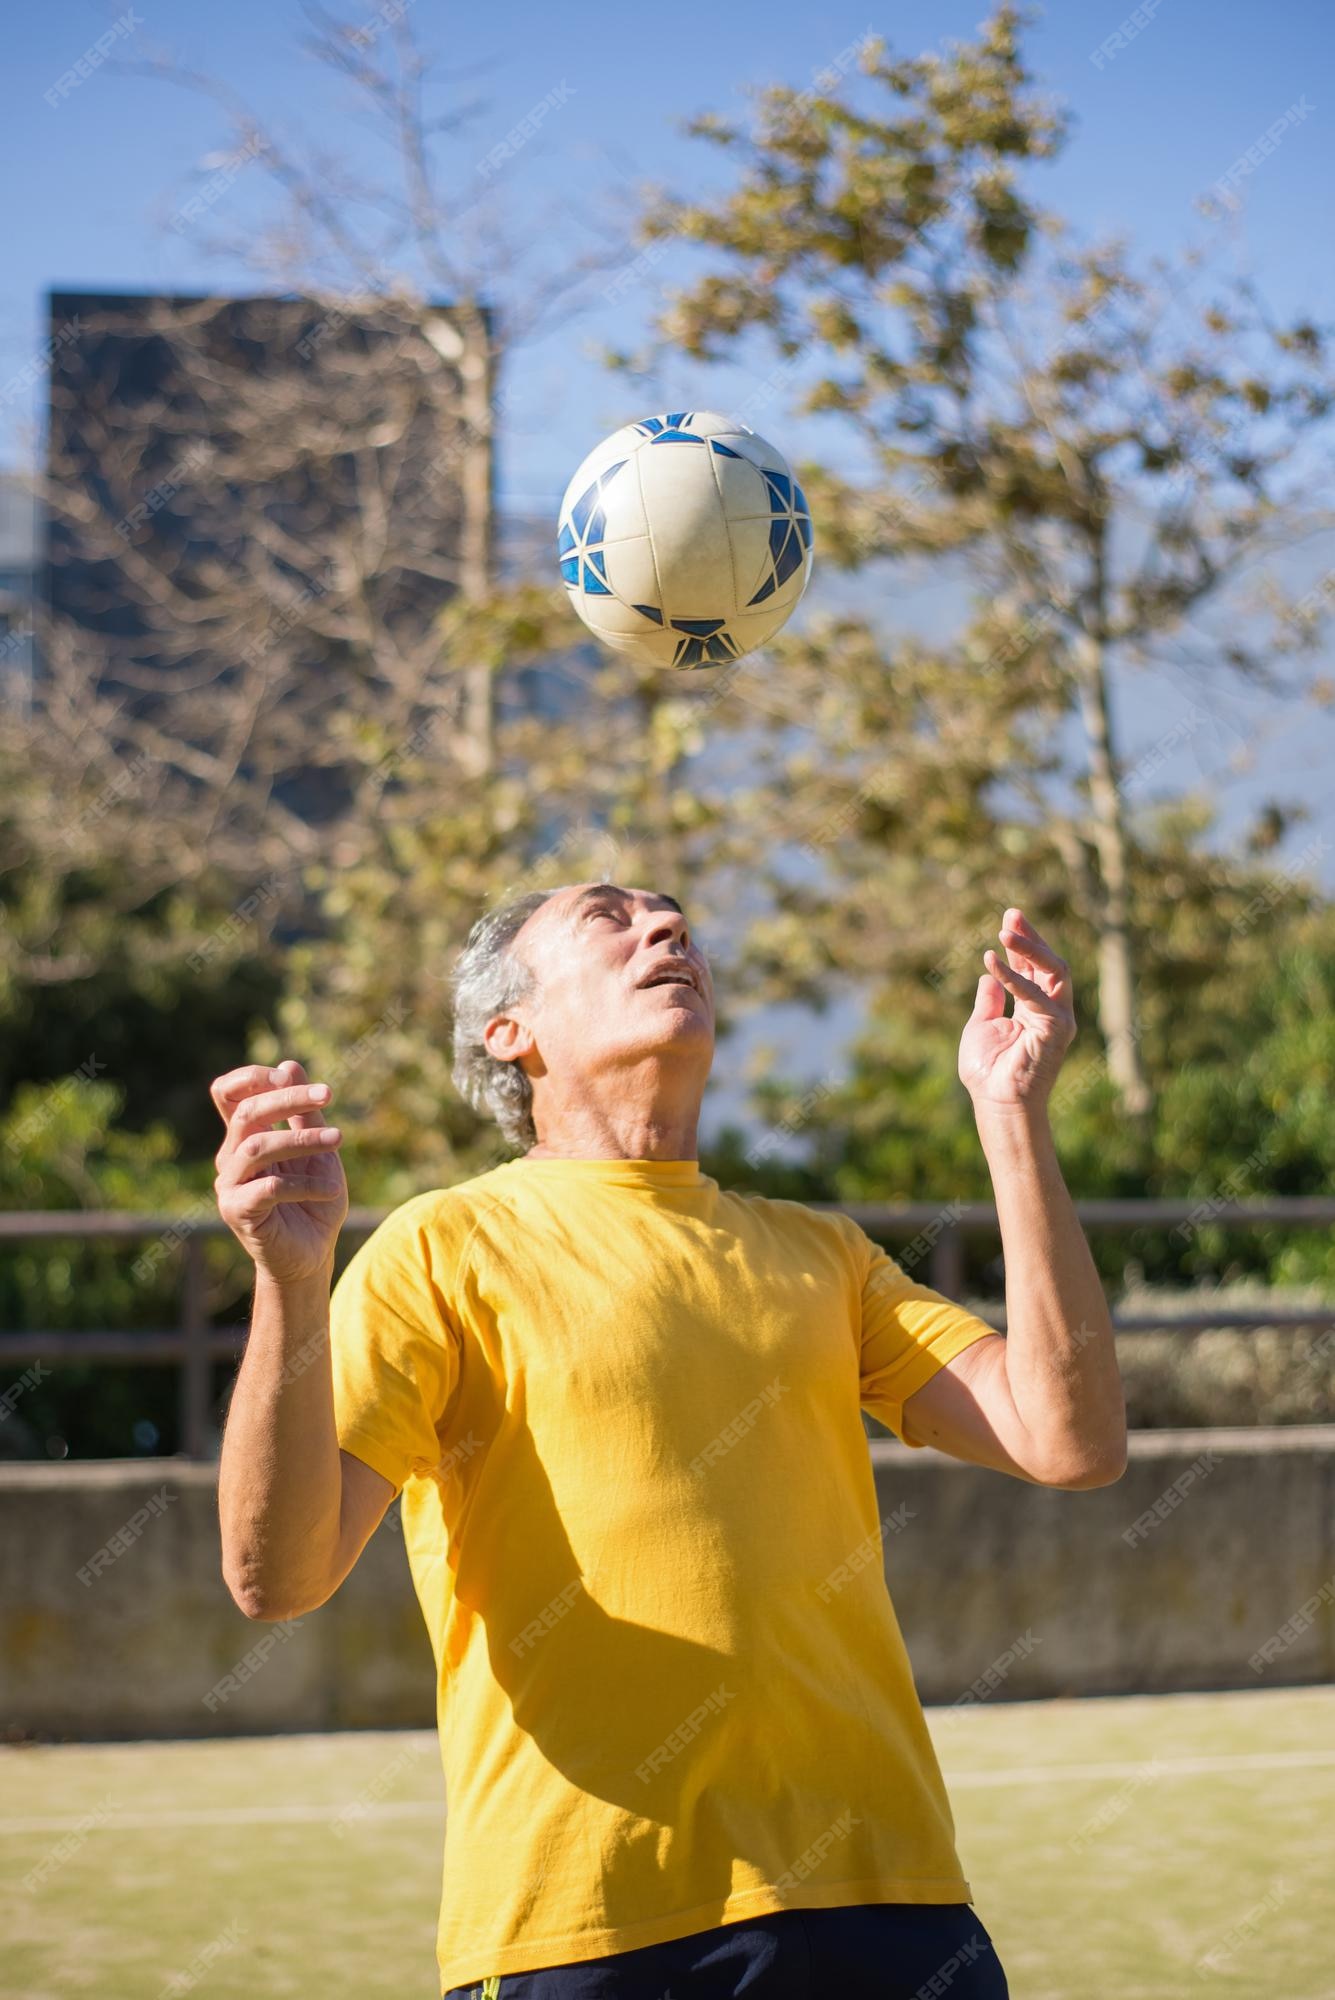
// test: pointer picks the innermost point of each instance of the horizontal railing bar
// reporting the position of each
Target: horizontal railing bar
(1297, 1210)
(151, 1348)
(224, 1343)
(1318, 1320)
(1095, 1213)
(93, 1222)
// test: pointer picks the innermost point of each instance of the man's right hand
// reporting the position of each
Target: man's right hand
(282, 1192)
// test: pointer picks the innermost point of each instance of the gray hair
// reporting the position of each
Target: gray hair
(489, 978)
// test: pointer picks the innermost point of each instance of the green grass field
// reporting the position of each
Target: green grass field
(1127, 1849)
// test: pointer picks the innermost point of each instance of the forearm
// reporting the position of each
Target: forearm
(1061, 1361)
(280, 1473)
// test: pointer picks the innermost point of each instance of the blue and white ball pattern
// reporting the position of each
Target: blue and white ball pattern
(684, 540)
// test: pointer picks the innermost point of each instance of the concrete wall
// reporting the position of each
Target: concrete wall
(1209, 1546)
(1215, 1548)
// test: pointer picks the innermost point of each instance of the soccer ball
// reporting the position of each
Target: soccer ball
(684, 540)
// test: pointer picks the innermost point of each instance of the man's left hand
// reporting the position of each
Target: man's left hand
(1009, 1062)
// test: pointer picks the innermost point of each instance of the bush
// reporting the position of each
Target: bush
(60, 1149)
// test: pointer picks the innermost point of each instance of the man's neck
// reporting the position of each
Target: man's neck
(619, 1132)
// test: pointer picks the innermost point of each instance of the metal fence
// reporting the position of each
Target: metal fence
(936, 1233)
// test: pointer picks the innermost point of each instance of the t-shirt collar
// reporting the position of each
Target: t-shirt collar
(619, 1173)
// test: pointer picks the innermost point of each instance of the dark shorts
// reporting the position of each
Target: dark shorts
(865, 1951)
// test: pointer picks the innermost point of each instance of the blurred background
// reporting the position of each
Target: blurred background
(307, 317)
(306, 323)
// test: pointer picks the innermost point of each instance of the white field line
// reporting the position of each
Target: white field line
(349, 1810)
(1020, 1774)
(1169, 1767)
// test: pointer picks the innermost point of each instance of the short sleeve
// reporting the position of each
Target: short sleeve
(395, 1347)
(908, 1333)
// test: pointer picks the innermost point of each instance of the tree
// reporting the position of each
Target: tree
(261, 512)
(1111, 460)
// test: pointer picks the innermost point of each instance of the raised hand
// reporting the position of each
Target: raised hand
(1010, 1061)
(281, 1188)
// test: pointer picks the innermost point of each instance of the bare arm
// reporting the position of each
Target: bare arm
(295, 1510)
(1046, 1403)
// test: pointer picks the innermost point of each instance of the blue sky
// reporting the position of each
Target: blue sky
(94, 178)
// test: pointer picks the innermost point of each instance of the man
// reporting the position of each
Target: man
(623, 1411)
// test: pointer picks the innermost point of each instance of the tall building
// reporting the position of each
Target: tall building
(263, 503)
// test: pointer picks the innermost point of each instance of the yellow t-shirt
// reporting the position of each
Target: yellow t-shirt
(623, 1407)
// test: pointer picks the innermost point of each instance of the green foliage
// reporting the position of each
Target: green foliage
(107, 969)
(1242, 1084)
(64, 1145)
(1110, 447)
(850, 812)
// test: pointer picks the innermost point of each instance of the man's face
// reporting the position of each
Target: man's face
(619, 977)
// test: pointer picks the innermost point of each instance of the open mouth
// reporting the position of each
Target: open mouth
(670, 976)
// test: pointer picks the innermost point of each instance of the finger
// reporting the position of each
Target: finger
(264, 1111)
(268, 1148)
(1014, 934)
(1016, 983)
(229, 1090)
(293, 1073)
(1030, 945)
(989, 1001)
(256, 1114)
(252, 1196)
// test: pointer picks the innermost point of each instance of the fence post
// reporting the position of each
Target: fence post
(195, 1370)
(946, 1269)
